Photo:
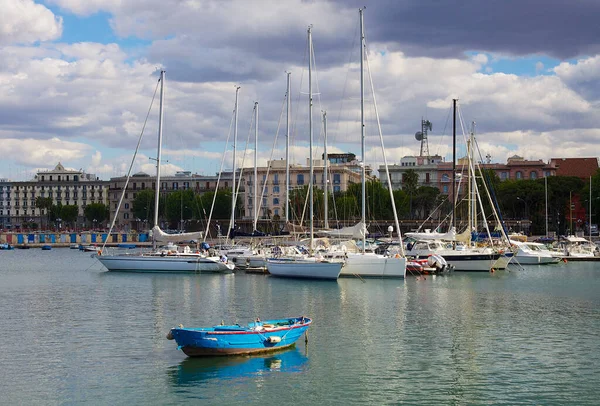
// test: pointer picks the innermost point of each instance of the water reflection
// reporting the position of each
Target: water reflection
(194, 370)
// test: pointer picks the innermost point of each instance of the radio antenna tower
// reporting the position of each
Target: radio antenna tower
(422, 136)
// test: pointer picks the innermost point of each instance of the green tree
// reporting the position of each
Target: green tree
(222, 208)
(179, 206)
(410, 183)
(143, 205)
(96, 211)
(44, 203)
(69, 213)
(425, 200)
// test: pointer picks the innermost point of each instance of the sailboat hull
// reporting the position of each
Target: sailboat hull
(304, 269)
(374, 266)
(151, 263)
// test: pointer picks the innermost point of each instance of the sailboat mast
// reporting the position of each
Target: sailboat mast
(255, 165)
(325, 185)
(546, 188)
(310, 131)
(362, 132)
(474, 224)
(287, 152)
(159, 150)
(454, 165)
(590, 219)
(233, 190)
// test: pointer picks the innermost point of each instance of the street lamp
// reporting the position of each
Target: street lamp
(94, 224)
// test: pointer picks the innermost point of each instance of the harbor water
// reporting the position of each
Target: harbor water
(75, 334)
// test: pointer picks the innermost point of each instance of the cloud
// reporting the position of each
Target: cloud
(25, 22)
(32, 152)
(98, 95)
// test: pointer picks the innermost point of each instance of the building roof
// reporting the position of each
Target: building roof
(581, 167)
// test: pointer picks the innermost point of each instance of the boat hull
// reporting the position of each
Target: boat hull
(236, 340)
(469, 262)
(152, 263)
(374, 266)
(536, 259)
(304, 269)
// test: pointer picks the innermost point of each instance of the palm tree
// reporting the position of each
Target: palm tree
(44, 203)
(410, 183)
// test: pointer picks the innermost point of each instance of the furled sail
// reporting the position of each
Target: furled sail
(428, 235)
(356, 231)
(160, 236)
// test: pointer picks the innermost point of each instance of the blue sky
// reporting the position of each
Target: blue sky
(79, 77)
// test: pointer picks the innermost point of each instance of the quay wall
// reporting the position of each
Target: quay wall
(65, 239)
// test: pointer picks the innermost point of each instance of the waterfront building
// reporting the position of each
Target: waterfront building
(5, 185)
(63, 186)
(580, 167)
(516, 168)
(182, 180)
(343, 170)
(426, 168)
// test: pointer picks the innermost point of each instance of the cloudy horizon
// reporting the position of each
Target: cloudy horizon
(78, 77)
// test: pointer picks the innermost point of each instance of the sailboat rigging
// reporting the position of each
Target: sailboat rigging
(168, 259)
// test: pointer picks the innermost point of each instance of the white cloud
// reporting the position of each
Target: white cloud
(32, 152)
(24, 21)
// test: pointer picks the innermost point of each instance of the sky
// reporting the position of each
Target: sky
(78, 77)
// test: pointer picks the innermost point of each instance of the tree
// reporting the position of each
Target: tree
(69, 213)
(44, 203)
(410, 183)
(179, 206)
(425, 200)
(96, 211)
(143, 205)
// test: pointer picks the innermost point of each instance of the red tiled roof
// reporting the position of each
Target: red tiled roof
(580, 167)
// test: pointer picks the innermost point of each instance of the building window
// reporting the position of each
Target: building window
(276, 212)
(547, 173)
(503, 175)
(134, 186)
(300, 179)
(276, 179)
(445, 189)
(445, 178)
(125, 215)
(175, 186)
(533, 175)
(427, 177)
(275, 201)
(519, 175)
(126, 205)
(337, 178)
(336, 189)
(275, 189)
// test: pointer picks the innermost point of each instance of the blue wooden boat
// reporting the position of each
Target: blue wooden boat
(46, 247)
(6, 246)
(256, 337)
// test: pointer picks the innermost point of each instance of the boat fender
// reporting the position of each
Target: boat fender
(170, 335)
(397, 256)
(274, 339)
(99, 252)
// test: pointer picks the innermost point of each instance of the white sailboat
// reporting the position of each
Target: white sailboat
(455, 248)
(370, 264)
(308, 267)
(169, 259)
